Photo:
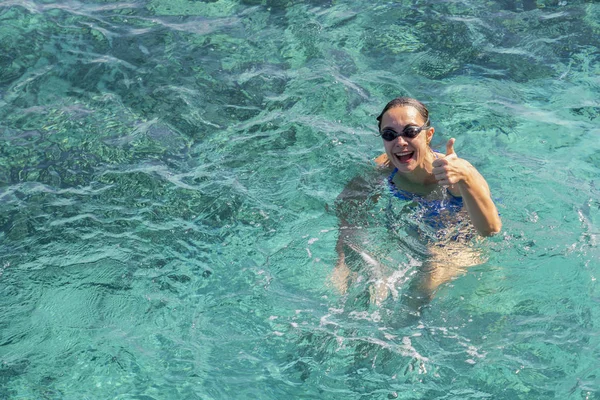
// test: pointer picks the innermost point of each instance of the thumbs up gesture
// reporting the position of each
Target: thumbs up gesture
(449, 169)
(450, 147)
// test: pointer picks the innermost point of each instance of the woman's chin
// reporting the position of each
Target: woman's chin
(403, 166)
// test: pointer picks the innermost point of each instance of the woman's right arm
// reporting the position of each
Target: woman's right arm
(349, 205)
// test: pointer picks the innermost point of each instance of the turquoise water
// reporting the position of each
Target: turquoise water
(168, 174)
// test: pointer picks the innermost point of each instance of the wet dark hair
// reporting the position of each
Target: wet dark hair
(403, 102)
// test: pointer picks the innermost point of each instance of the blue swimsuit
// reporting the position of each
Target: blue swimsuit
(430, 210)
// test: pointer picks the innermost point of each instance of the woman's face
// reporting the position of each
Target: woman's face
(405, 153)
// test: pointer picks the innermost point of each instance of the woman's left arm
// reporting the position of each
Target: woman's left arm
(460, 175)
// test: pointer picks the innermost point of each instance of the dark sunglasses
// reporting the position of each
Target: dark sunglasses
(410, 132)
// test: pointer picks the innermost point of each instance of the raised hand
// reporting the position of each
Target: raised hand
(470, 185)
(450, 169)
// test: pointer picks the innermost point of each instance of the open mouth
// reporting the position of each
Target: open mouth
(405, 157)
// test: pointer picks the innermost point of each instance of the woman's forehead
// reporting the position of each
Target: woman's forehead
(402, 115)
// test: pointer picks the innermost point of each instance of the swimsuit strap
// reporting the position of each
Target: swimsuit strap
(401, 194)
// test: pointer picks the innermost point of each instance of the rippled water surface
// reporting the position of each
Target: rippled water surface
(168, 177)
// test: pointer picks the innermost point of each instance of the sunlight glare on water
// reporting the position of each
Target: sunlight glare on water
(168, 179)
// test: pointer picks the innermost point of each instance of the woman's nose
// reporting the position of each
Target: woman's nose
(401, 141)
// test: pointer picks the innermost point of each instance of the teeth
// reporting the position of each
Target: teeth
(404, 154)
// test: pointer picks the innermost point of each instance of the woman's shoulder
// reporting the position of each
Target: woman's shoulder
(383, 161)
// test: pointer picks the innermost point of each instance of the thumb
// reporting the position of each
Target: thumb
(450, 147)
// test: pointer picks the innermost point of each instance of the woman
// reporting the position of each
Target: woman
(442, 185)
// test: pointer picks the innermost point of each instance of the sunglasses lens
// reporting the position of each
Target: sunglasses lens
(411, 131)
(388, 135)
